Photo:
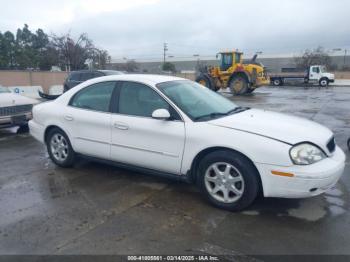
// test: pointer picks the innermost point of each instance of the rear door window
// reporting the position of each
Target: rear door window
(95, 97)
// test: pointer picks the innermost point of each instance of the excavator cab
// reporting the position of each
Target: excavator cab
(228, 59)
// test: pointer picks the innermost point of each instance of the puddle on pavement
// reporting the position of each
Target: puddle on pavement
(330, 204)
(59, 186)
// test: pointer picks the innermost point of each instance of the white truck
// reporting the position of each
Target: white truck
(315, 74)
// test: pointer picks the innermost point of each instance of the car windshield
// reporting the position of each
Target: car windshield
(323, 69)
(4, 90)
(197, 101)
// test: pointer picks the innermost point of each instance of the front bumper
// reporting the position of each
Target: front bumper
(310, 180)
(11, 120)
(331, 80)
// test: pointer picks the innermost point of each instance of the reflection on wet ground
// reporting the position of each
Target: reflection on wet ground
(100, 209)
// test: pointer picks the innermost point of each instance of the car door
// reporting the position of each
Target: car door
(315, 73)
(140, 140)
(88, 119)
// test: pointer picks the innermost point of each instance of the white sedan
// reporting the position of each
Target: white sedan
(177, 128)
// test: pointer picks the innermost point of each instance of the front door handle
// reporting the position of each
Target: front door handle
(68, 118)
(121, 126)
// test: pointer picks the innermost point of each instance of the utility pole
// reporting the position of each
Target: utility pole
(165, 48)
(345, 51)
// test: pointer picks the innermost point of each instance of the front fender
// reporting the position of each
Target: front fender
(259, 149)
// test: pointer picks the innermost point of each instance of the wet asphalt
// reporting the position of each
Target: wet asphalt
(99, 209)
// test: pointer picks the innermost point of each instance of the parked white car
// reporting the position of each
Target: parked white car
(175, 127)
(15, 109)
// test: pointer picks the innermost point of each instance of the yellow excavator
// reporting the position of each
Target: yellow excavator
(233, 73)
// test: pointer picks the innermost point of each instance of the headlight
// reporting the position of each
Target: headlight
(306, 154)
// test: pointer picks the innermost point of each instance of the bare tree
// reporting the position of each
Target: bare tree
(74, 53)
(316, 56)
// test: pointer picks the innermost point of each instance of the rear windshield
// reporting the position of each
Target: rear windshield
(74, 76)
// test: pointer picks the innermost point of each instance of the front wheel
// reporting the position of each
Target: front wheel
(59, 148)
(239, 85)
(228, 180)
(323, 82)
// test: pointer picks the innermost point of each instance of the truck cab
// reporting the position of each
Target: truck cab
(319, 74)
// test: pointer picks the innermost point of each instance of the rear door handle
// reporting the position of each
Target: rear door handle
(69, 118)
(121, 126)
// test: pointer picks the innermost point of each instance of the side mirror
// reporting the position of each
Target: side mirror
(161, 114)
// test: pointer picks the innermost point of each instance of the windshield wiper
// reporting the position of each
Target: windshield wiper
(210, 116)
(217, 114)
(237, 109)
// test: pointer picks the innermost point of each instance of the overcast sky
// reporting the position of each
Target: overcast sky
(138, 28)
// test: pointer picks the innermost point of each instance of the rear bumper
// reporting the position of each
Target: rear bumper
(37, 131)
(8, 121)
(307, 181)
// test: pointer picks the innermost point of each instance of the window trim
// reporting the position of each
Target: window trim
(110, 100)
(116, 96)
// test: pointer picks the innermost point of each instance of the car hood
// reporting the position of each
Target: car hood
(277, 126)
(10, 99)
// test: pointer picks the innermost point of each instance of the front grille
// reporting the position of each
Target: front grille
(331, 145)
(15, 110)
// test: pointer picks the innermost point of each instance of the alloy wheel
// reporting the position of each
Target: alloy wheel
(224, 182)
(59, 147)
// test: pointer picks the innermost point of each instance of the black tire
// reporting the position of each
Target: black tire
(323, 82)
(246, 169)
(234, 85)
(277, 82)
(205, 81)
(24, 128)
(68, 161)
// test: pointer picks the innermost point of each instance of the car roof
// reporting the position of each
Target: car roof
(94, 70)
(145, 78)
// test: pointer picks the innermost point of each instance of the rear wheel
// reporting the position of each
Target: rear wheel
(277, 82)
(228, 180)
(59, 148)
(239, 85)
(205, 80)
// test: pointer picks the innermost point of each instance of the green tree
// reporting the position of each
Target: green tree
(28, 50)
(7, 50)
(170, 67)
